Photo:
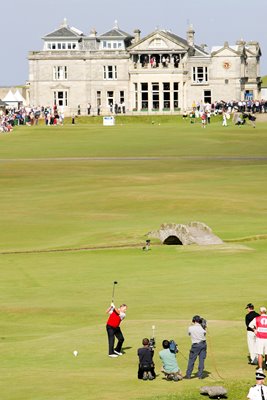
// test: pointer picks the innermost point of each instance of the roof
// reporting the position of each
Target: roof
(165, 34)
(64, 31)
(218, 48)
(176, 37)
(115, 34)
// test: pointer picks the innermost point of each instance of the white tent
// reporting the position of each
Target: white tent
(19, 97)
(10, 99)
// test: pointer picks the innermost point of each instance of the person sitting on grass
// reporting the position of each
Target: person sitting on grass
(146, 368)
(170, 366)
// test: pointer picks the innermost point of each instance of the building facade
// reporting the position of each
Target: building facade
(119, 72)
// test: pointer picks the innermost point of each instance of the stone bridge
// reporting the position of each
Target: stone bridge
(180, 234)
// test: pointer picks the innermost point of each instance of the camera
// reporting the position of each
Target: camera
(152, 343)
(200, 320)
(203, 323)
(173, 346)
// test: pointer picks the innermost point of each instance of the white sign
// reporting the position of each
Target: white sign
(108, 121)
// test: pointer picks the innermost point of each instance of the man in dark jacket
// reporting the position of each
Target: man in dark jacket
(251, 337)
(146, 368)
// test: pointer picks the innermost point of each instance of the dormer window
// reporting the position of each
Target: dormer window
(112, 44)
(60, 46)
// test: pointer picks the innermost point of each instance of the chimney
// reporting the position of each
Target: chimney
(190, 35)
(64, 23)
(137, 33)
(93, 32)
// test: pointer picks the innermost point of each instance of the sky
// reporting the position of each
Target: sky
(24, 23)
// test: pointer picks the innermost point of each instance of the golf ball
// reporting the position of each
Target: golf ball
(75, 353)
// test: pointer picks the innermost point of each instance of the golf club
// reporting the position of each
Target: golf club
(153, 331)
(152, 341)
(113, 290)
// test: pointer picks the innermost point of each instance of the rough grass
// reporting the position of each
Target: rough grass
(54, 195)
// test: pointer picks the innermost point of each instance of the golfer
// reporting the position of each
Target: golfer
(258, 391)
(116, 315)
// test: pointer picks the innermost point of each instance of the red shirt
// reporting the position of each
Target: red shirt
(261, 325)
(114, 320)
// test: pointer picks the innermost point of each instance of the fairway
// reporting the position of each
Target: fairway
(76, 205)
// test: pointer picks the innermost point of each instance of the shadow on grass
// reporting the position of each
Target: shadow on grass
(126, 348)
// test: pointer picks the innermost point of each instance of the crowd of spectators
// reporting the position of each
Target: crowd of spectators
(29, 116)
(250, 106)
(53, 116)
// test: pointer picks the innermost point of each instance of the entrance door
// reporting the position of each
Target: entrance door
(110, 100)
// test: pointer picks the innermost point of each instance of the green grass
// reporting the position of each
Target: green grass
(95, 187)
(264, 81)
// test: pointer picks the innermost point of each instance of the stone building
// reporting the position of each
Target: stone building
(119, 72)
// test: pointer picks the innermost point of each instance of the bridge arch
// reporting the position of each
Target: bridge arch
(172, 240)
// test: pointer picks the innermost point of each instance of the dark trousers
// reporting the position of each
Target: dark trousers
(112, 332)
(197, 350)
(146, 368)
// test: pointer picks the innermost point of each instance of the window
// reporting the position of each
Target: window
(176, 95)
(157, 43)
(249, 95)
(60, 73)
(155, 96)
(200, 74)
(61, 45)
(135, 96)
(166, 96)
(122, 96)
(98, 98)
(110, 99)
(144, 96)
(110, 72)
(207, 96)
(61, 98)
(112, 44)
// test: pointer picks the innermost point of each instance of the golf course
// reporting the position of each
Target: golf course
(77, 202)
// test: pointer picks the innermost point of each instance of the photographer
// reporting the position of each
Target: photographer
(170, 365)
(197, 332)
(146, 368)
